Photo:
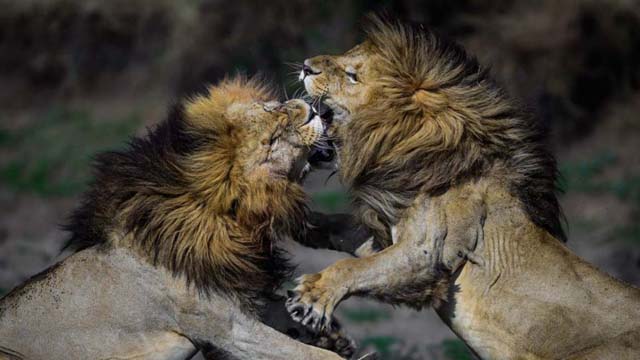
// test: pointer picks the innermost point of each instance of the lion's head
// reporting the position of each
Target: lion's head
(207, 191)
(414, 113)
(266, 140)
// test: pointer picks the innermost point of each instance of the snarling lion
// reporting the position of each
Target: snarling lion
(455, 181)
(177, 240)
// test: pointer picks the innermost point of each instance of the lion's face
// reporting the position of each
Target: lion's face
(280, 137)
(347, 83)
(270, 140)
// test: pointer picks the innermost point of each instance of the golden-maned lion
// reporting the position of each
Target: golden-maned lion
(176, 240)
(456, 183)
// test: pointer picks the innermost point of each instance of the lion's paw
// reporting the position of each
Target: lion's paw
(311, 303)
(337, 342)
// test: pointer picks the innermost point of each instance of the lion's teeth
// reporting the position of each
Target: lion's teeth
(318, 127)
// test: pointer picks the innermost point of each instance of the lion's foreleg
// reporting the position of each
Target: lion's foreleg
(406, 272)
(433, 238)
(389, 275)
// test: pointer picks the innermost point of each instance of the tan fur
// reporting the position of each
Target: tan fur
(431, 147)
(177, 240)
(212, 210)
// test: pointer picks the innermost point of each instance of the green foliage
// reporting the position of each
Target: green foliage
(455, 349)
(392, 348)
(580, 176)
(583, 177)
(627, 189)
(365, 315)
(331, 201)
(382, 344)
(630, 233)
(4, 137)
(51, 156)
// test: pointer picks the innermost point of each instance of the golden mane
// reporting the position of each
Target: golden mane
(179, 197)
(438, 120)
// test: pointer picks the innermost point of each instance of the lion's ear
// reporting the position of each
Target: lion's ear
(429, 100)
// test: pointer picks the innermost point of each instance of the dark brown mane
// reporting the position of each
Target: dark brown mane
(175, 197)
(439, 121)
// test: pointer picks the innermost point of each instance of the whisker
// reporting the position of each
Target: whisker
(315, 102)
(322, 146)
(300, 94)
(293, 65)
(294, 83)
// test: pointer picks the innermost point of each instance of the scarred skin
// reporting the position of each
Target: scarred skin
(454, 181)
(126, 298)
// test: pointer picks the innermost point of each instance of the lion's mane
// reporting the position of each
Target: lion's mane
(178, 197)
(437, 121)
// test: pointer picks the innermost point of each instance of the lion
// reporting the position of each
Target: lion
(455, 180)
(176, 241)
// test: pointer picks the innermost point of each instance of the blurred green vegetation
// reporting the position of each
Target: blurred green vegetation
(365, 315)
(382, 345)
(393, 348)
(581, 176)
(331, 201)
(586, 176)
(455, 349)
(51, 156)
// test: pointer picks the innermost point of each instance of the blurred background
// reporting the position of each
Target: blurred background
(81, 76)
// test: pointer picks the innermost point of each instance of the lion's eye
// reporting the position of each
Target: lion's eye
(353, 78)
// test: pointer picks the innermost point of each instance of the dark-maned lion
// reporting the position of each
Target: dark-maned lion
(457, 184)
(177, 239)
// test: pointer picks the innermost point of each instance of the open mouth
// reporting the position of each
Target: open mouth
(320, 156)
(323, 151)
(325, 112)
